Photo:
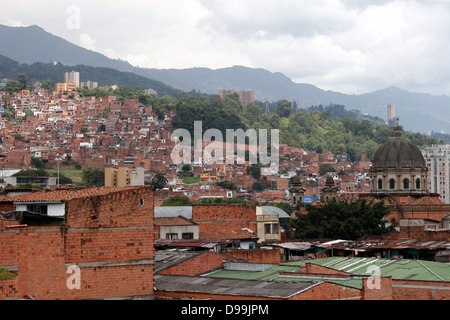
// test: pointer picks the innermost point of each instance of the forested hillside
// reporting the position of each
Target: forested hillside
(313, 131)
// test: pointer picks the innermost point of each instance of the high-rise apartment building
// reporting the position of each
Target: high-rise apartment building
(438, 162)
(73, 77)
(246, 97)
(391, 111)
(123, 177)
(226, 92)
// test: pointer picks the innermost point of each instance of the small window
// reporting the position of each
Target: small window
(391, 184)
(141, 202)
(171, 235)
(187, 235)
(380, 184)
(406, 184)
(267, 228)
(37, 208)
(417, 183)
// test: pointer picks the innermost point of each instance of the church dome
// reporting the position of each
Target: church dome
(398, 153)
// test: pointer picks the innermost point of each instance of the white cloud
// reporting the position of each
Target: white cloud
(343, 45)
(86, 41)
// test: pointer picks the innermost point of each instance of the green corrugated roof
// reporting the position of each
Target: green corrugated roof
(397, 269)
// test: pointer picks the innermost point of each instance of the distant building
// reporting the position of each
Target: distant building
(65, 86)
(392, 119)
(89, 84)
(437, 158)
(226, 92)
(123, 177)
(73, 77)
(247, 97)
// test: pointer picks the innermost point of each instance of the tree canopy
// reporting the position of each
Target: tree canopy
(341, 219)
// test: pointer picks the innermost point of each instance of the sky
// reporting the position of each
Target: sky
(349, 46)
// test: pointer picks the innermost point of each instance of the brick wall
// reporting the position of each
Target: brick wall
(420, 290)
(224, 217)
(329, 291)
(108, 237)
(419, 232)
(377, 289)
(317, 269)
(257, 255)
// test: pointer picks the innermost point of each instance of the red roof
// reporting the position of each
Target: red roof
(67, 194)
(173, 221)
(227, 235)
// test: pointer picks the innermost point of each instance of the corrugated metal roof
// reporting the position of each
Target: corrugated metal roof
(253, 288)
(397, 269)
(165, 212)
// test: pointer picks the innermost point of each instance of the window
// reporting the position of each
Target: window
(171, 235)
(271, 228)
(267, 228)
(42, 209)
(417, 183)
(141, 202)
(187, 235)
(405, 184)
(391, 184)
(380, 184)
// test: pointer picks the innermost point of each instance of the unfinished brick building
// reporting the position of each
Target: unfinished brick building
(98, 238)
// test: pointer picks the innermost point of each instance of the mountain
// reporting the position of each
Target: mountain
(104, 76)
(34, 44)
(418, 112)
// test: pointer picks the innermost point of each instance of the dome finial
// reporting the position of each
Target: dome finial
(398, 132)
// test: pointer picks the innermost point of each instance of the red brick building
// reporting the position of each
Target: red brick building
(103, 242)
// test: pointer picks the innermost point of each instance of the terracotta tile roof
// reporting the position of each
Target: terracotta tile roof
(227, 234)
(173, 221)
(66, 194)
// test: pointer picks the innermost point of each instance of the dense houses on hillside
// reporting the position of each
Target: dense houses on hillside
(118, 242)
(103, 132)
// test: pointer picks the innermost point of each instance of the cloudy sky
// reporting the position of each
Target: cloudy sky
(349, 46)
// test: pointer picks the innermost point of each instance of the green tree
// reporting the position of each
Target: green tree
(325, 167)
(23, 81)
(255, 171)
(177, 201)
(93, 177)
(46, 85)
(284, 108)
(159, 181)
(341, 219)
(257, 186)
(186, 168)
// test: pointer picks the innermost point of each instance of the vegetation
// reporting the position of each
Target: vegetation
(159, 181)
(177, 201)
(104, 76)
(6, 275)
(93, 177)
(63, 179)
(315, 129)
(341, 219)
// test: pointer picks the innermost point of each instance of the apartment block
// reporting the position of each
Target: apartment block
(73, 77)
(438, 163)
(123, 177)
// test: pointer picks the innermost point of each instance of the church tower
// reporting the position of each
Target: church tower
(297, 194)
(330, 191)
